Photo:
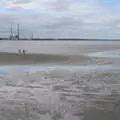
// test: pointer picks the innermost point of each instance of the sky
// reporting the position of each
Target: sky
(61, 18)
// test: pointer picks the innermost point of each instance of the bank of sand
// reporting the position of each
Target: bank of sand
(46, 59)
(56, 55)
(53, 59)
(42, 59)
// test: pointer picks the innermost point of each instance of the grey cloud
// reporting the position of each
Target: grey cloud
(65, 22)
(15, 8)
(66, 18)
(61, 5)
(21, 1)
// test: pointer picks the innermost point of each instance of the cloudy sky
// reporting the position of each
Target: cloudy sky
(61, 18)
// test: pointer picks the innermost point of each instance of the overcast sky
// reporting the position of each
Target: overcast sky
(62, 18)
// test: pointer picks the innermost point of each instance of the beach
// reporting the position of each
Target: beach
(59, 81)
(55, 52)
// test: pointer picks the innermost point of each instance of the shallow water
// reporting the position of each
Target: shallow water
(59, 93)
(107, 54)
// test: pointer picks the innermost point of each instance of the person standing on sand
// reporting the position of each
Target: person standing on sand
(19, 51)
(24, 51)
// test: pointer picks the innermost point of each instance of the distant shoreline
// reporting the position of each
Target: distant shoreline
(60, 39)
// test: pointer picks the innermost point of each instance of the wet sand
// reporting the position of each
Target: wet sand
(81, 88)
(43, 59)
(55, 52)
(28, 59)
(60, 94)
(56, 55)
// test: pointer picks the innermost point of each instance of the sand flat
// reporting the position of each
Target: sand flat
(52, 55)
(60, 91)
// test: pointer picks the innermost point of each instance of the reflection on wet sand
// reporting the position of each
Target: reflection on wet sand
(27, 59)
(60, 94)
